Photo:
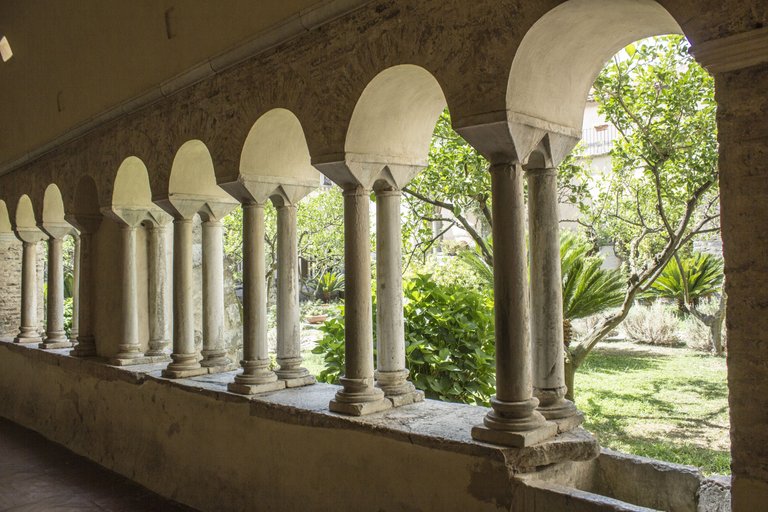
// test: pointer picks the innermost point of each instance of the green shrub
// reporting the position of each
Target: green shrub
(449, 341)
(68, 316)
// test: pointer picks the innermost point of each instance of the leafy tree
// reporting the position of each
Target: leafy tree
(662, 191)
(454, 190)
(320, 221)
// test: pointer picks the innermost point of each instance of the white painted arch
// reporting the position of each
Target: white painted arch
(25, 214)
(563, 52)
(192, 172)
(276, 147)
(5, 220)
(131, 189)
(53, 205)
(395, 116)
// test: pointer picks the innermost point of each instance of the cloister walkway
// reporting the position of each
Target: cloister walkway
(37, 475)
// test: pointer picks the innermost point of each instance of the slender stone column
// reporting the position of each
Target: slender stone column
(55, 336)
(256, 376)
(214, 353)
(75, 330)
(391, 374)
(158, 295)
(185, 357)
(86, 343)
(547, 300)
(28, 330)
(288, 315)
(358, 395)
(514, 420)
(129, 347)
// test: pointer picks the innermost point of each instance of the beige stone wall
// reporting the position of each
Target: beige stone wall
(743, 134)
(10, 285)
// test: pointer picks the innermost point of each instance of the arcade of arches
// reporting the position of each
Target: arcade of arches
(354, 97)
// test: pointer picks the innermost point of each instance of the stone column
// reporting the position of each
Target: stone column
(513, 421)
(359, 395)
(185, 359)
(129, 347)
(214, 353)
(547, 300)
(391, 374)
(28, 330)
(288, 314)
(256, 376)
(86, 343)
(75, 330)
(158, 292)
(55, 336)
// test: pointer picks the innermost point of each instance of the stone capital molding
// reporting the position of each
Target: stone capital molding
(734, 52)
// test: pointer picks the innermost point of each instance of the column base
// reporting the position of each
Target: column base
(292, 374)
(358, 398)
(297, 382)
(143, 359)
(28, 337)
(554, 407)
(215, 358)
(158, 349)
(409, 398)
(85, 348)
(170, 373)
(255, 389)
(397, 388)
(50, 345)
(515, 424)
(514, 439)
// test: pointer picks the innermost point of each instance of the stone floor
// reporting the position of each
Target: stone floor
(37, 475)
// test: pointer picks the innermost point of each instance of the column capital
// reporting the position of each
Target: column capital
(355, 189)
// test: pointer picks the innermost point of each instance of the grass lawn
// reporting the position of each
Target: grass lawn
(659, 402)
(665, 403)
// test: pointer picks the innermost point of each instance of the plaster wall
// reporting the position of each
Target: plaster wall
(219, 453)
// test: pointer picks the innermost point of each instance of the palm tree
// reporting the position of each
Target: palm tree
(688, 281)
(588, 289)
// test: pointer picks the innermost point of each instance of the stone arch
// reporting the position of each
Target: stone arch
(53, 206)
(25, 214)
(192, 186)
(131, 188)
(192, 171)
(395, 116)
(563, 52)
(5, 220)
(276, 146)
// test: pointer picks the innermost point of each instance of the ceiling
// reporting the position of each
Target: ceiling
(75, 59)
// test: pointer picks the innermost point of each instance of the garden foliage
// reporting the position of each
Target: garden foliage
(448, 341)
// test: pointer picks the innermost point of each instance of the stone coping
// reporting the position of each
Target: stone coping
(431, 423)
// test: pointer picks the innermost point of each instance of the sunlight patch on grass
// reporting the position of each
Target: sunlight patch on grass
(670, 405)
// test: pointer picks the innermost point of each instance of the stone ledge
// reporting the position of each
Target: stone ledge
(431, 424)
